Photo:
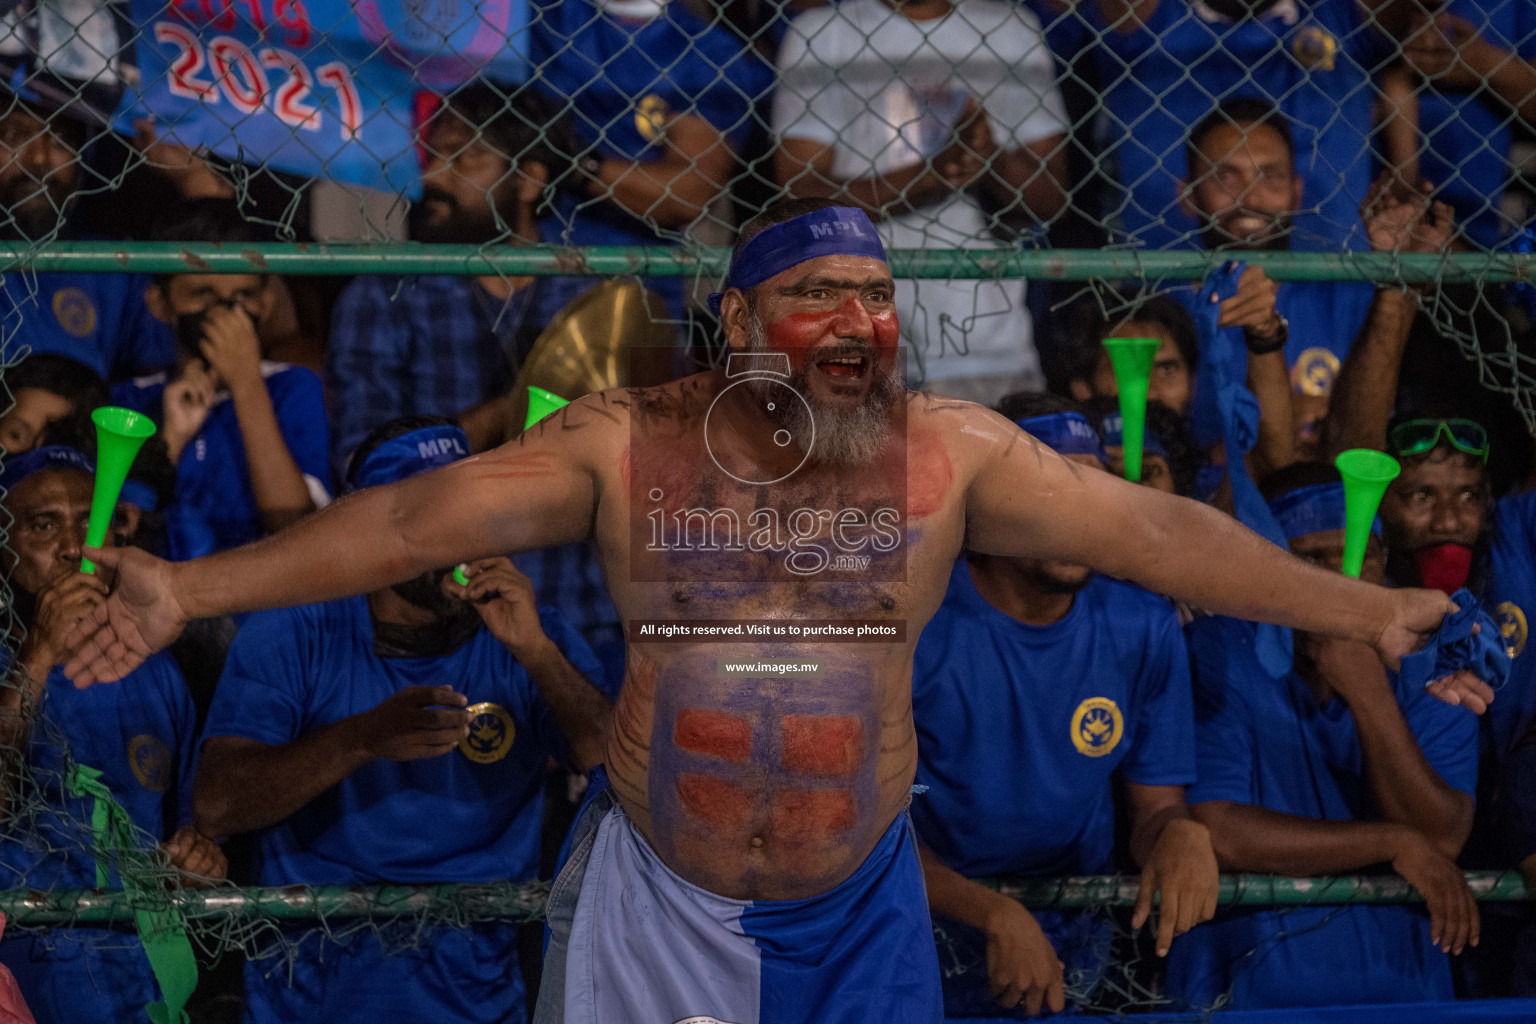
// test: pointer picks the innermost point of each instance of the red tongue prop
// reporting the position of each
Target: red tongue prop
(1444, 566)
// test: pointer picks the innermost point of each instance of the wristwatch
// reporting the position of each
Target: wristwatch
(1264, 344)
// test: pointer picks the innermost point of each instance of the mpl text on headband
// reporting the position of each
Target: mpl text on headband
(1068, 433)
(835, 231)
(54, 456)
(1313, 509)
(410, 454)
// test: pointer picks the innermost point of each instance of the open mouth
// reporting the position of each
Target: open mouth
(844, 366)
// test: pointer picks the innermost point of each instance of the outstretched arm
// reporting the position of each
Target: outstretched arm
(536, 491)
(1025, 500)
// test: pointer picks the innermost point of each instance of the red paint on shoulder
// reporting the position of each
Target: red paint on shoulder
(714, 801)
(822, 744)
(812, 812)
(713, 732)
(929, 474)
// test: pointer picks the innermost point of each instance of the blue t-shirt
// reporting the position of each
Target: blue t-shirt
(99, 319)
(472, 815)
(1267, 742)
(1465, 136)
(1309, 57)
(139, 732)
(213, 474)
(1324, 318)
(1020, 727)
(1510, 598)
(296, 670)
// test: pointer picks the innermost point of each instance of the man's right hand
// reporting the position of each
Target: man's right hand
(1021, 963)
(970, 153)
(1453, 914)
(1400, 218)
(62, 602)
(141, 617)
(417, 722)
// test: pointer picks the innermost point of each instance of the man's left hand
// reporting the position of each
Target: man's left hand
(504, 598)
(231, 346)
(1253, 307)
(1415, 615)
(1463, 689)
(1182, 868)
(197, 857)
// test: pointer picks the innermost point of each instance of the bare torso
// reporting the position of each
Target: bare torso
(765, 787)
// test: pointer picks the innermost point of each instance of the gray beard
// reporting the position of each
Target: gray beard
(842, 438)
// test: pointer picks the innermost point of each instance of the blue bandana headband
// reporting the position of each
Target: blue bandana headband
(53, 456)
(1069, 433)
(1313, 510)
(835, 231)
(410, 454)
(1114, 437)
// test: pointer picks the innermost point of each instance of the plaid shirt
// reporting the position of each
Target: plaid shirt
(403, 346)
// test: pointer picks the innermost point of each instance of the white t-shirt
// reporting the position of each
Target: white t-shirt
(884, 91)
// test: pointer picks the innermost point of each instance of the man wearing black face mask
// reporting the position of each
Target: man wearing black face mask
(248, 437)
(446, 345)
(399, 737)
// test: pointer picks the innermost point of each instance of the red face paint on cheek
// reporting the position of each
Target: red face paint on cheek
(797, 333)
(887, 329)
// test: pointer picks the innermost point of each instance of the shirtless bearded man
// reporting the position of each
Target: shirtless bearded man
(751, 860)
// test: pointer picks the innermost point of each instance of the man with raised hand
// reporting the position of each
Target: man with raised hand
(752, 859)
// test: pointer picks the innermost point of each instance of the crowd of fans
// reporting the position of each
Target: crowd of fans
(1068, 723)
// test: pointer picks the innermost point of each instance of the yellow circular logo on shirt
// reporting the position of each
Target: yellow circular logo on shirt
(1314, 47)
(490, 733)
(73, 310)
(150, 760)
(651, 116)
(1512, 627)
(1097, 726)
(1314, 372)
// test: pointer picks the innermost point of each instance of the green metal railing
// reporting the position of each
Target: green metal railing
(548, 260)
(525, 902)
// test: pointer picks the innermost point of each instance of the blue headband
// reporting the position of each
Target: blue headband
(1069, 433)
(1114, 437)
(53, 456)
(405, 456)
(1313, 510)
(835, 231)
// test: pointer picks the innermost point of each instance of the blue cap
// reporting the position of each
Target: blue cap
(410, 454)
(54, 456)
(1313, 509)
(1069, 433)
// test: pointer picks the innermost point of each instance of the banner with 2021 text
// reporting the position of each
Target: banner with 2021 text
(316, 88)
